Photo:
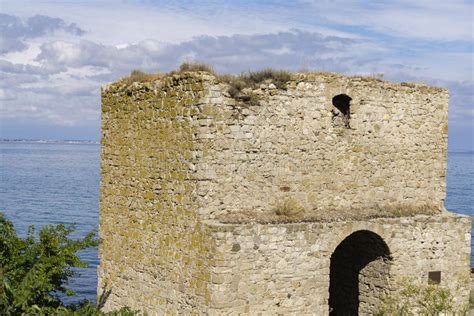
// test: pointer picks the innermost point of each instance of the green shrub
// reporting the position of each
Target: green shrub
(35, 269)
(85, 308)
(418, 299)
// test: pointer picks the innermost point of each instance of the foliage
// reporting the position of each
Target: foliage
(35, 269)
(141, 76)
(195, 66)
(240, 86)
(251, 80)
(246, 80)
(278, 77)
(85, 308)
(417, 299)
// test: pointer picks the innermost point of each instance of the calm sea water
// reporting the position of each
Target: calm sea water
(59, 183)
(54, 183)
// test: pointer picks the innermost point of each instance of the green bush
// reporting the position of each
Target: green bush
(418, 299)
(34, 270)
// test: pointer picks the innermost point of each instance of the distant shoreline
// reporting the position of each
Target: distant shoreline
(95, 142)
(50, 141)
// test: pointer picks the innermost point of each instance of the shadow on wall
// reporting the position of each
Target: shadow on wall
(359, 274)
(342, 102)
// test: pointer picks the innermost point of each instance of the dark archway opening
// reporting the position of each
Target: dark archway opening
(359, 274)
(342, 102)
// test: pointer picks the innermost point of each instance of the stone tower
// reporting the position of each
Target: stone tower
(319, 197)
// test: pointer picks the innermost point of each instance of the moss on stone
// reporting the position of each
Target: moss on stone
(149, 145)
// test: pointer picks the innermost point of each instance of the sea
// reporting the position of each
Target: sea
(52, 183)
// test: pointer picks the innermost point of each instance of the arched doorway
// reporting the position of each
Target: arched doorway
(359, 274)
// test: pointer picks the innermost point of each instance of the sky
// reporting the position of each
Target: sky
(55, 55)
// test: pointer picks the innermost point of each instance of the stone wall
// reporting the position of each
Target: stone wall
(293, 146)
(284, 268)
(181, 159)
(154, 251)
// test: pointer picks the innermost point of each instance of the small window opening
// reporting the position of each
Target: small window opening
(342, 102)
(434, 277)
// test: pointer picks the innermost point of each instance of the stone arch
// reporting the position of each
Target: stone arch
(359, 274)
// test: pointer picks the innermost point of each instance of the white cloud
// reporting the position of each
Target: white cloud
(433, 19)
(226, 53)
(62, 86)
(14, 31)
(70, 73)
(62, 52)
(58, 74)
(115, 23)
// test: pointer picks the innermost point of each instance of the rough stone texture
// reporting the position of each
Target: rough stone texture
(290, 146)
(180, 157)
(154, 251)
(284, 268)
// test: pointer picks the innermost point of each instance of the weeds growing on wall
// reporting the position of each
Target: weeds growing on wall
(251, 80)
(240, 86)
(278, 77)
(419, 299)
(141, 76)
(196, 66)
(289, 207)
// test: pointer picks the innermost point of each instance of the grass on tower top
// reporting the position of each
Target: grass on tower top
(196, 66)
(239, 86)
(141, 76)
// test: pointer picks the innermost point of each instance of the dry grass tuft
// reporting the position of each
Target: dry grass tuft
(195, 66)
(289, 208)
(240, 86)
(251, 80)
(141, 76)
(278, 77)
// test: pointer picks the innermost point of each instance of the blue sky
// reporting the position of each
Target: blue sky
(55, 55)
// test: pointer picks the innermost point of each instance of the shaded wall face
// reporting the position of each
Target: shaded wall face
(153, 251)
(286, 268)
(296, 145)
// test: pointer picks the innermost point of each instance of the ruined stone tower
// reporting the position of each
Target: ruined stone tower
(319, 197)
